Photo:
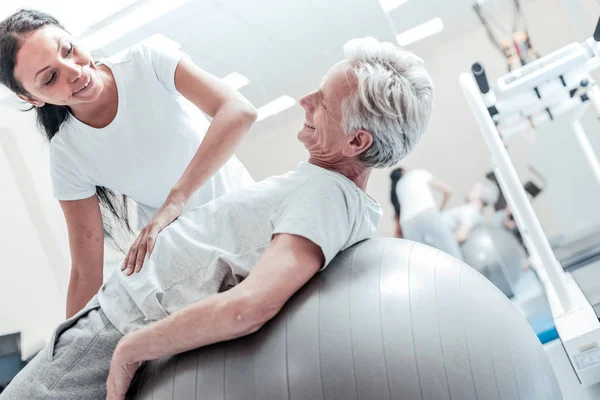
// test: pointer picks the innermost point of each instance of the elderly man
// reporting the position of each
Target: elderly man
(224, 269)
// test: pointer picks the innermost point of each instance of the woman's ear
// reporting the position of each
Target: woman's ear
(32, 101)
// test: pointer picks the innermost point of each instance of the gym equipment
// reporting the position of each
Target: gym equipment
(580, 255)
(10, 358)
(388, 319)
(499, 256)
(576, 251)
(515, 45)
(520, 101)
(496, 254)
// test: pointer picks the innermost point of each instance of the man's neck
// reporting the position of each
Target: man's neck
(351, 170)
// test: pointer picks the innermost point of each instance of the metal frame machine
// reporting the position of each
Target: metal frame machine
(521, 100)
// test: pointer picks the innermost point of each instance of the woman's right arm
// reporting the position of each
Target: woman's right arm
(86, 242)
(444, 188)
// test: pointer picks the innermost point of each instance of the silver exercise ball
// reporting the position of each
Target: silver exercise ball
(388, 319)
(496, 254)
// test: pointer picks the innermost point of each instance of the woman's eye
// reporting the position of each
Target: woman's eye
(49, 82)
(69, 51)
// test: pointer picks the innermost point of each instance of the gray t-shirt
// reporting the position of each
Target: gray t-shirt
(213, 247)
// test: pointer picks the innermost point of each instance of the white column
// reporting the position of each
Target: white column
(515, 193)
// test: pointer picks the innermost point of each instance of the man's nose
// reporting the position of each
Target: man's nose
(308, 101)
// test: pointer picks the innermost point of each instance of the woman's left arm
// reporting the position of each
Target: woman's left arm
(232, 116)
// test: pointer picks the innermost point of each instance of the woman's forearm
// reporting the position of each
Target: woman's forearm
(223, 137)
(81, 289)
(445, 200)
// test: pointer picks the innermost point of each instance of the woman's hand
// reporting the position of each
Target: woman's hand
(144, 244)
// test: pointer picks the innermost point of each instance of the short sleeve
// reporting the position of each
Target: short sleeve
(68, 183)
(318, 211)
(164, 60)
(426, 175)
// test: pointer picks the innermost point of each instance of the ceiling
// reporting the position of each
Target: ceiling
(285, 47)
(282, 46)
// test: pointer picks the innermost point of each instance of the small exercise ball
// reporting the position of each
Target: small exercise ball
(496, 254)
(388, 319)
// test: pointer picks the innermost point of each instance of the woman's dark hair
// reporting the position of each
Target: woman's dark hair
(395, 176)
(50, 117)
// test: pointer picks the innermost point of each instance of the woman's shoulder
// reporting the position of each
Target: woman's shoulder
(143, 51)
(124, 56)
(64, 140)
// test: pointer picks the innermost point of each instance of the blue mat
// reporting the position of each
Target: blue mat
(544, 328)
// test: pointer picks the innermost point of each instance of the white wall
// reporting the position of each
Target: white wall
(33, 273)
(34, 250)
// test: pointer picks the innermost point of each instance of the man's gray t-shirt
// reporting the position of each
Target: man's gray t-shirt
(213, 247)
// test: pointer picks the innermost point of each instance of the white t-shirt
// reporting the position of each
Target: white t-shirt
(414, 194)
(144, 151)
(213, 247)
(467, 214)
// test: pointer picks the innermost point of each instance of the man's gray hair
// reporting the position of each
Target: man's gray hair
(393, 101)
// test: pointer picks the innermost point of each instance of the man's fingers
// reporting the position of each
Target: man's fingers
(141, 254)
(151, 242)
(131, 258)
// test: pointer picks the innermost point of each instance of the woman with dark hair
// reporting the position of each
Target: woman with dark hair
(420, 219)
(395, 176)
(122, 124)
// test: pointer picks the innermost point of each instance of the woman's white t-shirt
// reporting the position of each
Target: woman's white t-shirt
(144, 151)
(414, 194)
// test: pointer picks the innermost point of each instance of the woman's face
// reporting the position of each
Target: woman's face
(54, 69)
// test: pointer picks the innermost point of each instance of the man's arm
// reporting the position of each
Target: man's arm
(287, 264)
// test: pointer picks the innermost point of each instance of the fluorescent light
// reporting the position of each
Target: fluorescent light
(275, 107)
(389, 5)
(236, 80)
(136, 18)
(161, 41)
(420, 32)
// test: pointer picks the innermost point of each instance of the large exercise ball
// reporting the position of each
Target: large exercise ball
(388, 319)
(496, 254)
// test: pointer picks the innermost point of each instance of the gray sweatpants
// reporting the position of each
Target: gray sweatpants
(428, 227)
(74, 364)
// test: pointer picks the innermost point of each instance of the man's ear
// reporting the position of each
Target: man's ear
(359, 142)
(32, 101)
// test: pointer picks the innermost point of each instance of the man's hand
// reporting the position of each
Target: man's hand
(120, 375)
(144, 244)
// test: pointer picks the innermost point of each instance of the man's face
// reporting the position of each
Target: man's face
(322, 133)
(54, 69)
